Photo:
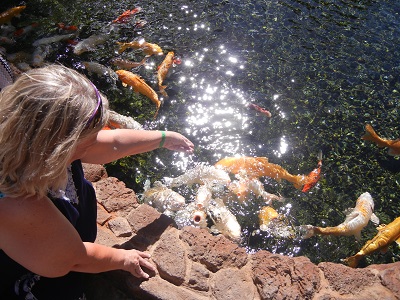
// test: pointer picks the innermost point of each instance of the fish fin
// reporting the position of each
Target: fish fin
(393, 152)
(383, 250)
(162, 90)
(319, 155)
(124, 84)
(398, 242)
(357, 235)
(375, 219)
(370, 134)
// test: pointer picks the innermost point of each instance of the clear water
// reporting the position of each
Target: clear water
(322, 68)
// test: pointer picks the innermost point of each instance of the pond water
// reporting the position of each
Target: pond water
(323, 68)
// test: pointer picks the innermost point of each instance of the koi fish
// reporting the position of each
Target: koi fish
(203, 196)
(386, 235)
(254, 167)
(127, 64)
(67, 27)
(371, 135)
(6, 74)
(260, 109)
(53, 39)
(356, 219)
(126, 15)
(190, 215)
(224, 220)
(24, 30)
(314, 176)
(147, 48)
(90, 43)
(201, 174)
(163, 70)
(244, 186)
(163, 198)
(6, 16)
(274, 223)
(140, 86)
(101, 70)
(117, 120)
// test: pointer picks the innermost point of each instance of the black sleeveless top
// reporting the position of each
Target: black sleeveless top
(16, 282)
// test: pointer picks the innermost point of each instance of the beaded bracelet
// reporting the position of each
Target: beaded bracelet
(162, 139)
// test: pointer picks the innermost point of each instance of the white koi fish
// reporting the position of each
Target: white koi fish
(355, 221)
(201, 174)
(100, 70)
(53, 39)
(190, 215)
(163, 198)
(224, 220)
(90, 43)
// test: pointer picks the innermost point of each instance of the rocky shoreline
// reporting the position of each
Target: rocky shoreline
(193, 264)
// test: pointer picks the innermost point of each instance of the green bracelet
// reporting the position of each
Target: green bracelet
(162, 139)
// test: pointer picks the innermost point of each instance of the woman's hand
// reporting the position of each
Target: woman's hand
(177, 142)
(135, 260)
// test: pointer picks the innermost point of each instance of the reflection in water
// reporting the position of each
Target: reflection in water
(322, 69)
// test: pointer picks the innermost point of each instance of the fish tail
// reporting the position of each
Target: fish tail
(319, 155)
(162, 91)
(371, 135)
(352, 261)
(122, 47)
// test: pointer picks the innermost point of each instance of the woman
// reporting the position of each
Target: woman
(50, 121)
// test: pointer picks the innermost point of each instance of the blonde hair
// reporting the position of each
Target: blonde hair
(43, 115)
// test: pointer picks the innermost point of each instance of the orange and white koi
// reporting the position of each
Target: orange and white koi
(67, 27)
(162, 71)
(243, 186)
(140, 86)
(357, 218)
(386, 235)
(127, 64)
(126, 15)
(117, 120)
(24, 30)
(371, 135)
(254, 167)
(147, 48)
(314, 176)
(260, 109)
(6, 16)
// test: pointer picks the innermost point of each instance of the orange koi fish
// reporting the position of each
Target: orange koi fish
(314, 176)
(163, 70)
(371, 135)
(139, 85)
(254, 167)
(24, 30)
(355, 221)
(147, 48)
(126, 15)
(6, 16)
(260, 109)
(386, 235)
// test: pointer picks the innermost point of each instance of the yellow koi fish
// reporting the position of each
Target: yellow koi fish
(163, 70)
(147, 48)
(371, 135)
(254, 167)
(386, 235)
(139, 85)
(275, 223)
(6, 16)
(356, 219)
